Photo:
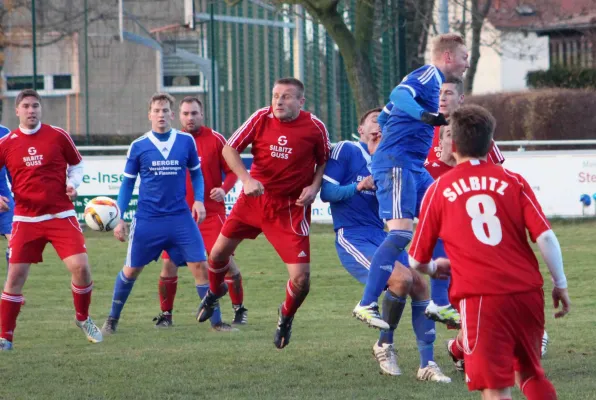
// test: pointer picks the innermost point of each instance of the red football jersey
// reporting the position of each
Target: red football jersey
(481, 211)
(210, 145)
(437, 168)
(37, 160)
(284, 153)
(494, 154)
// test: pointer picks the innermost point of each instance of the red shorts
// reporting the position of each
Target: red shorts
(210, 229)
(29, 239)
(285, 225)
(502, 334)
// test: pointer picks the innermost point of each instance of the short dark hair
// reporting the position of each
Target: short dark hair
(191, 99)
(367, 113)
(291, 81)
(458, 82)
(162, 97)
(26, 93)
(472, 129)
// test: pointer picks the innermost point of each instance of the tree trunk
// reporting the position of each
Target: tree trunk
(419, 17)
(478, 16)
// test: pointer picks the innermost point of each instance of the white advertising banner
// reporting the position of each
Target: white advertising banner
(559, 178)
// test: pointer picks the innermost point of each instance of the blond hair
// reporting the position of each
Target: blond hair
(162, 97)
(446, 42)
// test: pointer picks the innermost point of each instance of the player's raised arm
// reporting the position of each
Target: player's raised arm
(131, 170)
(198, 184)
(384, 115)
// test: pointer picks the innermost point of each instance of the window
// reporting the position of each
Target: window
(62, 81)
(23, 82)
(48, 85)
(180, 75)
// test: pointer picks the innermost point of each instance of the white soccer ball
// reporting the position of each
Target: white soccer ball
(102, 214)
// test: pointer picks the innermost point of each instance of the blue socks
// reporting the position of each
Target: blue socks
(382, 264)
(424, 329)
(122, 288)
(216, 317)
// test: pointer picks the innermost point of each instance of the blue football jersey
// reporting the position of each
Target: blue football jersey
(4, 189)
(407, 140)
(350, 163)
(162, 168)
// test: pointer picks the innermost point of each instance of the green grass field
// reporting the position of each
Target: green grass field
(329, 356)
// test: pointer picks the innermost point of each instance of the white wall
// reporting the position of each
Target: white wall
(522, 53)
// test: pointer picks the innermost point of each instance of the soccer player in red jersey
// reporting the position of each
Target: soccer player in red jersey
(210, 145)
(46, 169)
(482, 211)
(290, 149)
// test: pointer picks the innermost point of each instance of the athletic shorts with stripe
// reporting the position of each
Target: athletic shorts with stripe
(210, 229)
(176, 234)
(356, 246)
(29, 239)
(502, 334)
(400, 191)
(285, 225)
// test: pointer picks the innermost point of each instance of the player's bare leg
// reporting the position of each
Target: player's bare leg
(219, 265)
(11, 302)
(297, 289)
(382, 265)
(424, 329)
(496, 394)
(82, 285)
(234, 281)
(122, 288)
(167, 285)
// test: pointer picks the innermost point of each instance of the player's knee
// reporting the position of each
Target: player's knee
(401, 280)
(301, 283)
(131, 273)
(419, 290)
(169, 269)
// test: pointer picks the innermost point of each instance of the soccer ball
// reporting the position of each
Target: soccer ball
(102, 214)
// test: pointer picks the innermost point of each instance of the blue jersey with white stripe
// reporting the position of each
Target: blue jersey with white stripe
(350, 163)
(407, 140)
(162, 168)
(4, 189)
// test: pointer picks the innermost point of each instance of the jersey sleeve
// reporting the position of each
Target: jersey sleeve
(494, 155)
(133, 164)
(534, 218)
(429, 225)
(69, 149)
(417, 81)
(246, 133)
(323, 146)
(230, 177)
(384, 115)
(338, 164)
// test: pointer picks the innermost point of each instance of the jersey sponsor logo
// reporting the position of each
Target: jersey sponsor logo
(165, 167)
(34, 159)
(280, 151)
(474, 183)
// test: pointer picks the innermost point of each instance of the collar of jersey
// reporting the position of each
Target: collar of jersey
(30, 131)
(164, 148)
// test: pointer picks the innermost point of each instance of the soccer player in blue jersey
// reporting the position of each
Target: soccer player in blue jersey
(348, 186)
(398, 164)
(6, 217)
(163, 220)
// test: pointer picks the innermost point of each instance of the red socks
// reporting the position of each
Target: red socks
(10, 305)
(294, 300)
(456, 348)
(235, 289)
(167, 292)
(538, 389)
(81, 296)
(217, 272)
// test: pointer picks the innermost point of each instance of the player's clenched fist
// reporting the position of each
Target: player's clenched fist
(4, 204)
(120, 231)
(198, 211)
(443, 270)
(561, 296)
(367, 183)
(252, 187)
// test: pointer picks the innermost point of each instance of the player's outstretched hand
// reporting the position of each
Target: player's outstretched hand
(120, 231)
(217, 194)
(443, 270)
(308, 196)
(561, 296)
(367, 183)
(198, 211)
(433, 119)
(4, 204)
(71, 192)
(252, 187)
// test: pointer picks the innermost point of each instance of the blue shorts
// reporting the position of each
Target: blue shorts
(177, 234)
(356, 247)
(400, 191)
(6, 219)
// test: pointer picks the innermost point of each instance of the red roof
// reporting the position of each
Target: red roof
(542, 14)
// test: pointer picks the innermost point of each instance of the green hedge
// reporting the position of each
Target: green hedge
(560, 77)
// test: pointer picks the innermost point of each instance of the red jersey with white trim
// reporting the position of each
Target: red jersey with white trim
(210, 145)
(434, 154)
(37, 162)
(284, 153)
(437, 168)
(482, 211)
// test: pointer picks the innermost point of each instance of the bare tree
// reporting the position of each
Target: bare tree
(479, 12)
